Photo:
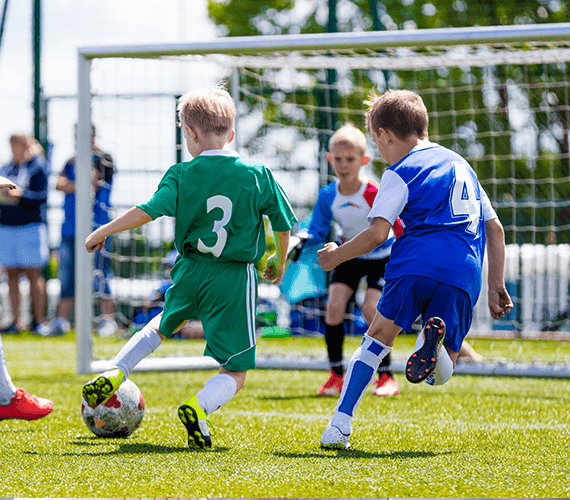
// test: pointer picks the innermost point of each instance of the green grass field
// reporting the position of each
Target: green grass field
(473, 437)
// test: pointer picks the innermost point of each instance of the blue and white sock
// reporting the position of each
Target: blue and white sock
(218, 391)
(7, 388)
(139, 346)
(359, 374)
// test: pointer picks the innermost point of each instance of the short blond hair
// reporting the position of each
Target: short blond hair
(401, 111)
(211, 109)
(349, 135)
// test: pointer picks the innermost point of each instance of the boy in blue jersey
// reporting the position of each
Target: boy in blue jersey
(347, 201)
(218, 200)
(435, 266)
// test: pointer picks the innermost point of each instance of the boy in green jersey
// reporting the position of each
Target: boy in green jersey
(218, 200)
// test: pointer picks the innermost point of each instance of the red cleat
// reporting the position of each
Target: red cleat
(332, 387)
(385, 385)
(26, 407)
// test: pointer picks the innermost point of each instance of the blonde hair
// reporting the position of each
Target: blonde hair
(349, 135)
(32, 145)
(211, 109)
(401, 111)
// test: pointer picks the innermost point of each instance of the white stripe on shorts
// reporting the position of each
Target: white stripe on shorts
(251, 305)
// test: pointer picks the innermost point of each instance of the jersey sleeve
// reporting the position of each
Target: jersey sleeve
(322, 216)
(391, 198)
(488, 210)
(165, 198)
(277, 206)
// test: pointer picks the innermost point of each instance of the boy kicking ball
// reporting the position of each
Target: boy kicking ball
(218, 200)
(435, 266)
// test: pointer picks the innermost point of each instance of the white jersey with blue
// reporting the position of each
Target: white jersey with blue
(349, 212)
(437, 195)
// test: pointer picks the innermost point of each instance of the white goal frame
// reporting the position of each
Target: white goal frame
(243, 51)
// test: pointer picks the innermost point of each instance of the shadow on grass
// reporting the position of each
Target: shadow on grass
(128, 448)
(344, 454)
(293, 397)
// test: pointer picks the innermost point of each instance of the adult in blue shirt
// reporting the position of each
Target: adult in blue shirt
(102, 178)
(23, 229)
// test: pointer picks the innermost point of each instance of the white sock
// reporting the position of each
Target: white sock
(218, 391)
(444, 367)
(139, 346)
(360, 372)
(7, 388)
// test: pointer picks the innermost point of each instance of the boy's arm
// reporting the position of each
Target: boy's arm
(275, 267)
(131, 219)
(498, 298)
(364, 242)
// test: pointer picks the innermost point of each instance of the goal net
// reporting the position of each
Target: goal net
(499, 96)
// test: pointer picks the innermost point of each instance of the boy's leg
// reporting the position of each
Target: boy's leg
(385, 385)
(7, 388)
(361, 370)
(99, 389)
(339, 295)
(217, 391)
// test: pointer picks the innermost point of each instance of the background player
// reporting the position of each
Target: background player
(218, 199)
(102, 181)
(347, 201)
(436, 265)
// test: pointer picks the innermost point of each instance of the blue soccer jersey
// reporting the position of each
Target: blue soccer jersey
(349, 212)
(437, 195)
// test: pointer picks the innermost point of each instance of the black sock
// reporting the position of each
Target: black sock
(334, 337)
(384, 366)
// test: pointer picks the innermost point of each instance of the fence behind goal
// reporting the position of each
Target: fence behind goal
(498, 96)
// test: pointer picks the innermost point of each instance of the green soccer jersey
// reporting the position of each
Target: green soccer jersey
(218, 200)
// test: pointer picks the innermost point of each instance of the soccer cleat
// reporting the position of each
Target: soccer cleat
(332, 387)
(194, 419)
(26, 407)
(334, 439)
(385, 385)
(422, 363)
(102, 387)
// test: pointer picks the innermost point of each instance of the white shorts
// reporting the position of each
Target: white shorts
(23, 246)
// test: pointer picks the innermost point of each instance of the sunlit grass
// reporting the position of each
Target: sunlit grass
(473, 437)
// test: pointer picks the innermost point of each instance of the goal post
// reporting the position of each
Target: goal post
(497, 95)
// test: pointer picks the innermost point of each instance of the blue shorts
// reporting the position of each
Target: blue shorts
(23, 246)
(405, 298)
(101, 272)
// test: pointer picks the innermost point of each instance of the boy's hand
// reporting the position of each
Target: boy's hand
(326, 256)
(500, 302)
(7, 183)
(273, 271)
(94, 242)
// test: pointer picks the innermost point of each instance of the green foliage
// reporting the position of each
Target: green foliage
(473, 437)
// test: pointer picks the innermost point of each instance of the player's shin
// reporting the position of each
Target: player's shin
(218, 391)
(361, 370)
(139, 346)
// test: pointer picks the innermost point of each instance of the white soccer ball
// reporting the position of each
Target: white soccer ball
(118, 417)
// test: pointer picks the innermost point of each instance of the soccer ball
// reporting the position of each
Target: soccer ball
(120, 416)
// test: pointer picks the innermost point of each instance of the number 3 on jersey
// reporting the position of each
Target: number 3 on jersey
(225, 204)
(464, 198)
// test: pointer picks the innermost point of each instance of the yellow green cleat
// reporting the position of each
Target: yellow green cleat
(194, 419)
(100, 389)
